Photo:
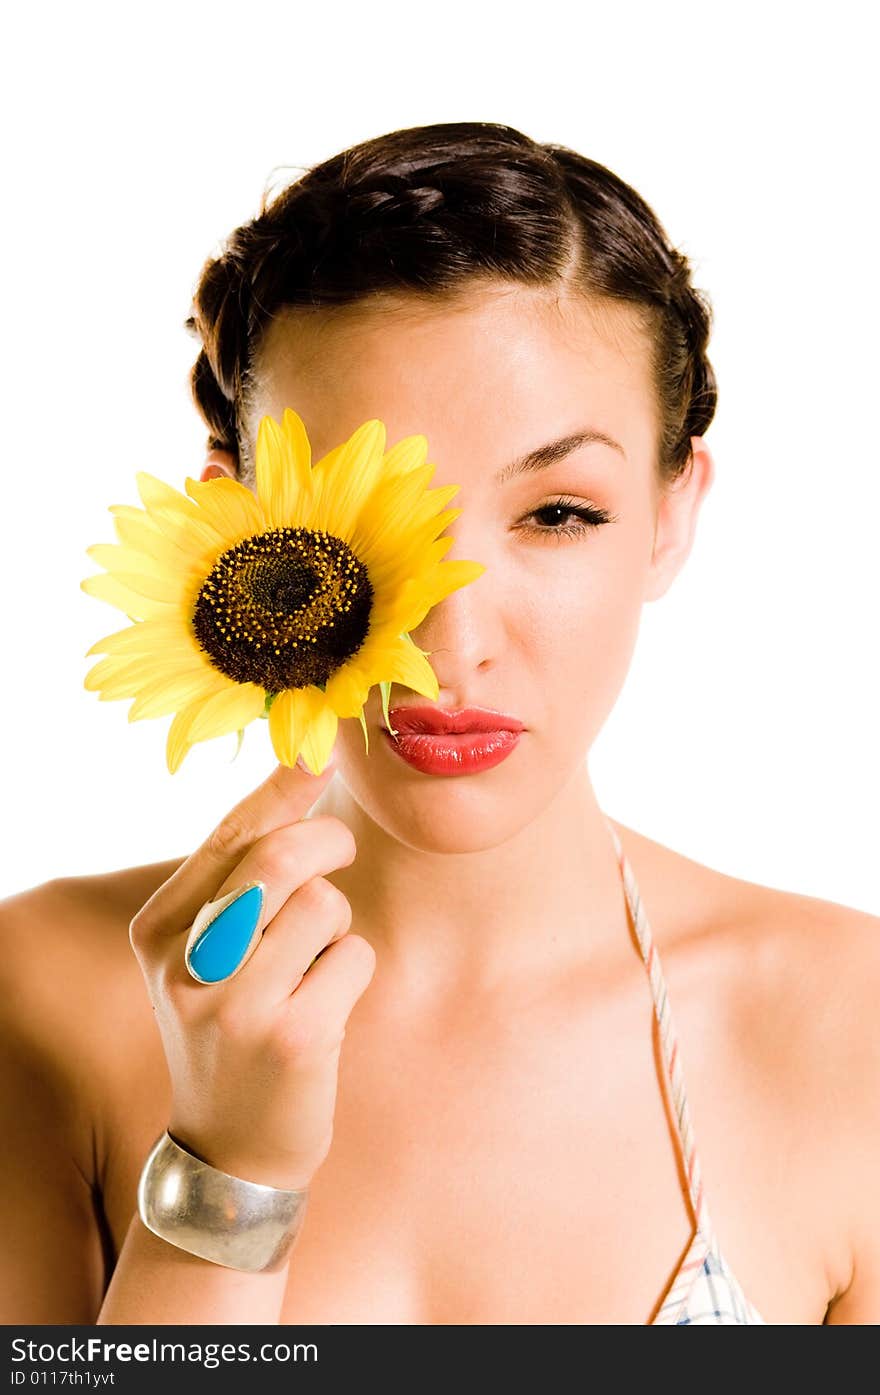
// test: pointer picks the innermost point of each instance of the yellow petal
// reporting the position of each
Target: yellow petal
(178, 744)
(320, 734)
(174, 514)
(403, 662)
(418, 558)
(392, 503)
(300, 720)
(344, 483)
(191, 533)
(395, 523)
(416, 597)
(170, 692)
(408, 501)
(403, 591)
(283, 468)
(165, 590)
(347, 690)
(284, 732)
(299, 450)
(134, 604)
(108, 683)
(118, 558)
(406, 454)
(145, 637)
(137, 530)
(118, 677)
(156, 494)
(452, 575)
(228, 710)
(229, 506)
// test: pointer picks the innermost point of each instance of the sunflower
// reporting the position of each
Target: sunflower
(288, 603)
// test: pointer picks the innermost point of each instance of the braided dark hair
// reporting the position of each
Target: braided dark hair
(426, 210)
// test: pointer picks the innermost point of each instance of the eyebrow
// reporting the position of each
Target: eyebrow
(548, 454)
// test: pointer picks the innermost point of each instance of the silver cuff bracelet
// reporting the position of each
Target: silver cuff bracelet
(209, 1213)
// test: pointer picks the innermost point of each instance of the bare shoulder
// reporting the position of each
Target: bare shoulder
(810, 1007)
(789, 985)
(71, 990)
(807, 1009)
(78, 1053)
(81, 907)
(793, 978)
(813, 959)
(58, 933)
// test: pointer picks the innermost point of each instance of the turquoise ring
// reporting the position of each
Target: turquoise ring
(225, 934)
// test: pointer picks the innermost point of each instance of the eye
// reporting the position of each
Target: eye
(584, 518)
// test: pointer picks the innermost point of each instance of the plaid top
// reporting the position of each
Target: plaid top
(704, 1288)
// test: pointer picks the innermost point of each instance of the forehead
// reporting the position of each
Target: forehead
(502, 365)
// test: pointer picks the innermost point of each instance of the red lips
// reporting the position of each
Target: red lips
(435, 741)
(437, 721)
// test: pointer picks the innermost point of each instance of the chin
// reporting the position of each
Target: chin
(428, 830)
(449, 814)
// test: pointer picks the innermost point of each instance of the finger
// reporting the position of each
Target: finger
(314, 916)
(287, 857)
(320, 1007)
(283, 798)
(289, 860)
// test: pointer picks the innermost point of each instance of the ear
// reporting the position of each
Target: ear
(219, 462)
(676, 521)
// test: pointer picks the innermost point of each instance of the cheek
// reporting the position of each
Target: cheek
(576, 634)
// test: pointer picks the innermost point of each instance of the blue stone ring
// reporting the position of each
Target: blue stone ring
(225, 934)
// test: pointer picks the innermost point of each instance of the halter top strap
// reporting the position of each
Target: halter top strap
(668, 1043)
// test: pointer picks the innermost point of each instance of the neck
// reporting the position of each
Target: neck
(541, 904)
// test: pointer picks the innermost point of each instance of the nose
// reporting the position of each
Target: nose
(462, 633)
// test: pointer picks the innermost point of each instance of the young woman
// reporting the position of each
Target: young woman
(455, 1038)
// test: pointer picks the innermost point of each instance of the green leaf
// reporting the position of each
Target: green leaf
(385, 690)
(238, 747)
(363, 723)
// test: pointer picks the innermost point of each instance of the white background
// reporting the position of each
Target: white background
(135, 140)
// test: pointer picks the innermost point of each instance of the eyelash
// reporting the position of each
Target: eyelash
(589, 519)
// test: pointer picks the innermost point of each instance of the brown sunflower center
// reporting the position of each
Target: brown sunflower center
(284, 609)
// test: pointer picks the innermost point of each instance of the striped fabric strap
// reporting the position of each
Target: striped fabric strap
(668, 1042)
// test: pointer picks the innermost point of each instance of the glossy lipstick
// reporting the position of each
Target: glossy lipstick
(445, 742)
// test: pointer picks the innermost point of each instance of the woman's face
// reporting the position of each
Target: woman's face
(546, 633)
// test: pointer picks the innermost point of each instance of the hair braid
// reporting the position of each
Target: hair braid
(428, 210)
(687, 375)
